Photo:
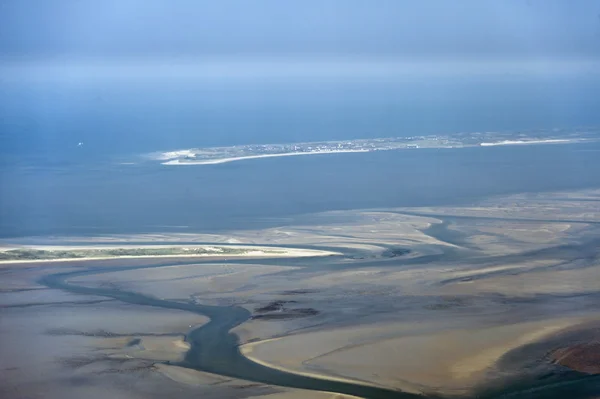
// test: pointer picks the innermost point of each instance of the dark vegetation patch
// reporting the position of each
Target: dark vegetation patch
(279, 310)
(82, 361)
(146, 366)
(134, 342)
(112, 365)
(298, 292)
(389, 253)
(247, 386)
(445, 303)
(13, 290)
(102, 333)
(67, 303)
(395, 252)
(69, 331)
(43, 254)
(287, 314)
(274, 306)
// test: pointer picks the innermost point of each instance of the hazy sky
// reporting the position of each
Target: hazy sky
(40, 29)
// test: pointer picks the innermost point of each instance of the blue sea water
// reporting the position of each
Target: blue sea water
(51, 185)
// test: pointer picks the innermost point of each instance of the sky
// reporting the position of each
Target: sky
(66, 65)
(170, 29)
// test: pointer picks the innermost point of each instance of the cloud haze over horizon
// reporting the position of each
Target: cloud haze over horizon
(113, 29)
(191, 72)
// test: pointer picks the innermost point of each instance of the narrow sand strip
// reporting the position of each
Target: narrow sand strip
(233, 159)
(519, 142)
(259, 252)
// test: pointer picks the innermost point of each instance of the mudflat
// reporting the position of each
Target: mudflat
(484, 300)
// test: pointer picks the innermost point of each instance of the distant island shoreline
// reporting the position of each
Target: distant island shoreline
(220, 155)
(225, 160)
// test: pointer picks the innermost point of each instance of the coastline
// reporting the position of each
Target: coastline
(523, 142)
(186, 157)
(233, 159)
(258, 252)
(442, 328)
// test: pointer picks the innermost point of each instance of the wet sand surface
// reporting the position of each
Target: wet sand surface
(498, 299)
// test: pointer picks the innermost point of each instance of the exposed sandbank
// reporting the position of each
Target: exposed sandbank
(249, 348)
(233, 159)
(518, 142)
(442, 325)
(213, 251)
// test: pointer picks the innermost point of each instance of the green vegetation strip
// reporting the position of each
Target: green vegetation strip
(42, 254)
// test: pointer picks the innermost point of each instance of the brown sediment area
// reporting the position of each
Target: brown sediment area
(584, 357)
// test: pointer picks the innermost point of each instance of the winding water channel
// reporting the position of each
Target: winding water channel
(214, 349)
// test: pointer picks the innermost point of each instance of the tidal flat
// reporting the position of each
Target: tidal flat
(490, 300)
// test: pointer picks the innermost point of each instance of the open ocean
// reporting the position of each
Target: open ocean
(51, 186)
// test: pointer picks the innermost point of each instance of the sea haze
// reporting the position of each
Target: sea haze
(47, 116)
(52, 184)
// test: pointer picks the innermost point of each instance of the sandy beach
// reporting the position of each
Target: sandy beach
(520, 142)
(243, 158)
(252, 251)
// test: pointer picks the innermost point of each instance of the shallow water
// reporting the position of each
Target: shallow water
(106, 198)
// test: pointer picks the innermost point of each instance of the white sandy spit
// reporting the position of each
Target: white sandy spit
(215, 251)
(233, 159)
(516, 142)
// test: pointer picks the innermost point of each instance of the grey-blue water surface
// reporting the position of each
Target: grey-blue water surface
(108, 199)
(50, 185)
(49, 116)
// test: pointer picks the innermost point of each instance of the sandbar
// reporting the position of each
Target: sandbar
(211, 251)
(233, 159)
